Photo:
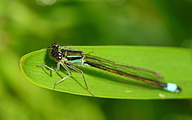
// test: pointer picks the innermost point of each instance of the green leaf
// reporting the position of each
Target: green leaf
(175, 64)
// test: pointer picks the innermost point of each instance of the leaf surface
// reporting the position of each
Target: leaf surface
(175, 64)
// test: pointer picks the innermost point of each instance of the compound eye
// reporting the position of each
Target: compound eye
(55, 45)
(59, 56)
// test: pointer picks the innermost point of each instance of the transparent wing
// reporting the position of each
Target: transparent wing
(136, 71)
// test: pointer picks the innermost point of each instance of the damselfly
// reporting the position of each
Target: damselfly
(68, 57)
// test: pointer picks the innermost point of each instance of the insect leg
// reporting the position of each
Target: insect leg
(58, 67)
(64, 77)
(78, 70)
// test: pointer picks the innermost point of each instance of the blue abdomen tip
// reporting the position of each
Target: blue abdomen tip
(172, 87)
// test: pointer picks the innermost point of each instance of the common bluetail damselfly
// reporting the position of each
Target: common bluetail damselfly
(68, 57)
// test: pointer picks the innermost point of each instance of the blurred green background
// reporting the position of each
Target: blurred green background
(29, 25)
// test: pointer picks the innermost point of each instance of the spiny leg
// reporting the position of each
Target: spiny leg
(58, 67)
(78, 70)
(64, 77)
